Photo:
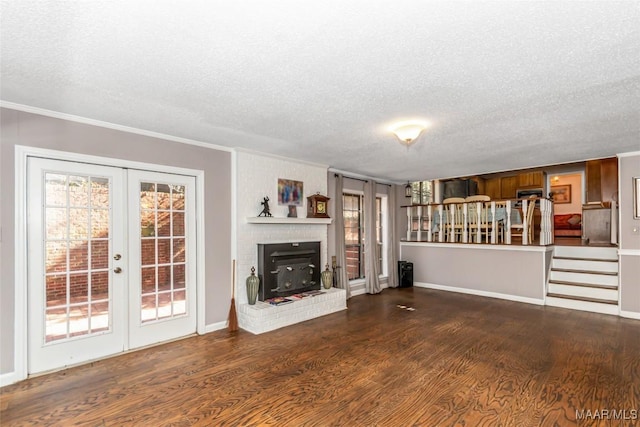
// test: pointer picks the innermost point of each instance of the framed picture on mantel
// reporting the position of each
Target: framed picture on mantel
(290, 192)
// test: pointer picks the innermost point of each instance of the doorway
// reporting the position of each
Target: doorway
(111, 260)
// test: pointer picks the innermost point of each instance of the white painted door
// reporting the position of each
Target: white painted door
(162, 257)
(111, 265)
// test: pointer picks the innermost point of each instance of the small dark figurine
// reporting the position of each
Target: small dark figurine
(266, 211)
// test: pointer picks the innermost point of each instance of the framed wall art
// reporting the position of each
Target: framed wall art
(636, 197)
(561, 193)
(290, 192)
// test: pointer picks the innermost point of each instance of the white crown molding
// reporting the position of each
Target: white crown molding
(108, 125)
(630, 154)
(278, 157)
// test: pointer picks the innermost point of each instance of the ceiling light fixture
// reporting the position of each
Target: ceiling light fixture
(408, 131)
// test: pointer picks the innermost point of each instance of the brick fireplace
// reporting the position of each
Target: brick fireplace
(257, 176)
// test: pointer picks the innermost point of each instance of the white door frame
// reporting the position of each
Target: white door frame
(20, 243)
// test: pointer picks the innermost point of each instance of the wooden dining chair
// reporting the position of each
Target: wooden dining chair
(520, 228)
(478, 221)
(477, 198)
(454, 213)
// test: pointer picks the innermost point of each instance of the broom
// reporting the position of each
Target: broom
(233, 317)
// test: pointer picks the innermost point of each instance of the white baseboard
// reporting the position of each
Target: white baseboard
(215, 326)
(359, 289)
(630, 314)
(480, 293)
(9, 378)
(357, 292)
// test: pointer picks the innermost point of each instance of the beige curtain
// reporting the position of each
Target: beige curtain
(341, 253)
(371, 250)
(392, 246)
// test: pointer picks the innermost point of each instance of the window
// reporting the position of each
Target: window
(421, 193)
(354, 235)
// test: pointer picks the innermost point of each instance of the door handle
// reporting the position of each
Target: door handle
(117, 270)
(117, 257)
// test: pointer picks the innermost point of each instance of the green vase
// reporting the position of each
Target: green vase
(253, 283)
(327, 278)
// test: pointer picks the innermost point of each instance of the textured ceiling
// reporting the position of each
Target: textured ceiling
(505, 85)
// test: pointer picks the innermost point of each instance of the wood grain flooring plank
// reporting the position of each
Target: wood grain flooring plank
(456, 360)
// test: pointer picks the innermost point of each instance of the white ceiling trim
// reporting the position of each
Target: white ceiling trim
(107, 125)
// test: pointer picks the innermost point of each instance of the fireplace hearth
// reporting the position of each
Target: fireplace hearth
(288, 268)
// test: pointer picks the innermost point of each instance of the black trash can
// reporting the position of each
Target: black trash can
(405, 274)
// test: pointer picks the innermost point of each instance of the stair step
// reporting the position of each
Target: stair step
(602, 252)
(584, 264)
(586, 259)
(584, 285)
(570, 270)
(585, 299)
(573, 304)
(583, 277)
(590, 292)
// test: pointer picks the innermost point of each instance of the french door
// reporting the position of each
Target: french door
(111, 262)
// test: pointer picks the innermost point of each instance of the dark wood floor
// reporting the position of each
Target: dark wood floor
(457, 360)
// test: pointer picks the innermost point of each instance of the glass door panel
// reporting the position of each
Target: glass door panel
(72, 255)
(71, 286)
(165, 208)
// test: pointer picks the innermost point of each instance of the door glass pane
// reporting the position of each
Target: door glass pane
(163, 198)
(78, 255)
(178, 250)
(163, 256)
(99, 192)
(100, 316)
(164, 251)
(78, 191)
(100, 223)
(78, 288)
(56, 256)
(179, 302)
(56, 324)
(55, 189)
(56, 290)
(148, 251)
(99, 254)
(177, 196)
(56, 223)
(178, 223)
(99, 286)
(76, 221)
(164, 224)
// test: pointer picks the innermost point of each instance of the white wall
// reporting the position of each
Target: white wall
(628, 168)
(257, 177)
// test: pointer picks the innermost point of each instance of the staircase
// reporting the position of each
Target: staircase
(584, 278)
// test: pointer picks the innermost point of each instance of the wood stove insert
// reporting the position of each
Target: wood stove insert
(288, 268)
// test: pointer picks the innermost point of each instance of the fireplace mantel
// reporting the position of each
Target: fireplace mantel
(286, 220)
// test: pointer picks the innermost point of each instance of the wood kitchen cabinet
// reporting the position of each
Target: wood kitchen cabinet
(602, 179)
(492, 188)
(508, 187)
(531, 179)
